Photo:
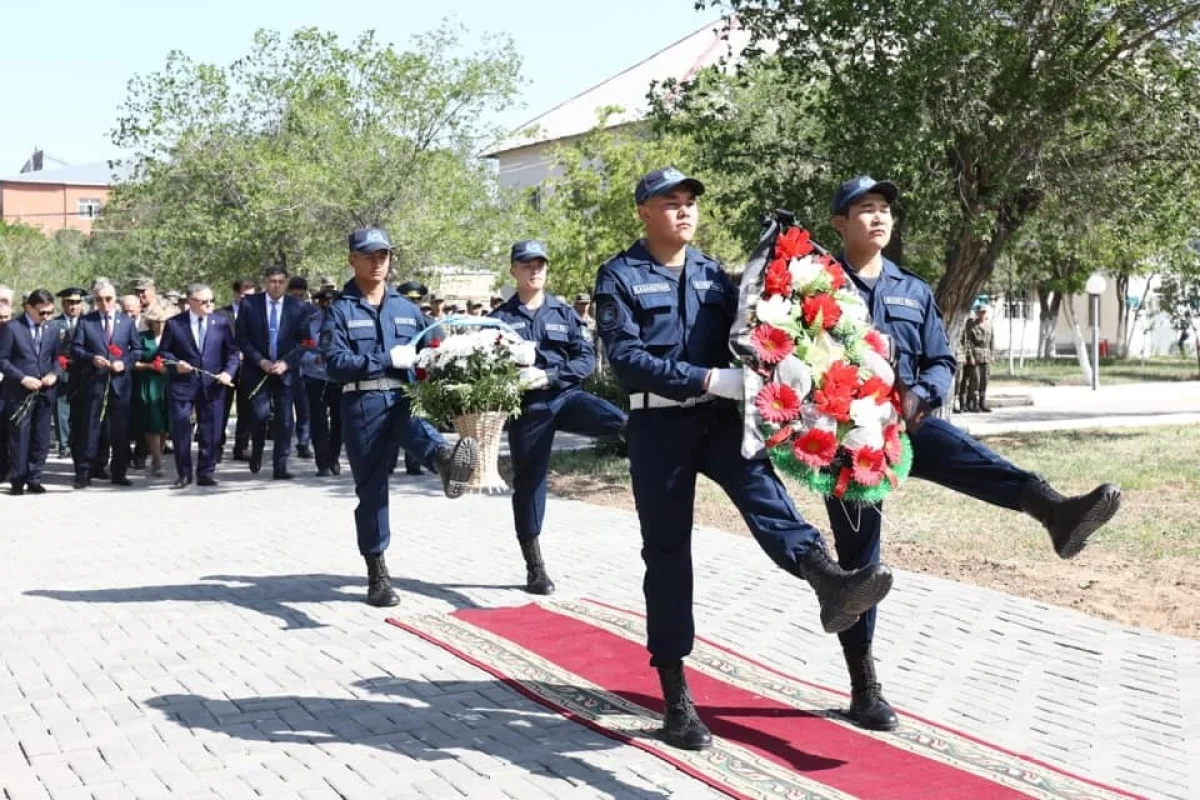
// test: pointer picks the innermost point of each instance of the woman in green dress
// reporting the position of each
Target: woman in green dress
(151, 414)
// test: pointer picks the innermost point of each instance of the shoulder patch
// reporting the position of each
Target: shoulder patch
(608, 314)
(650, 288)
(326, 338)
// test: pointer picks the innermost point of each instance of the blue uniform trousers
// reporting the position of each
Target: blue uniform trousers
(279, 395)
(325, 411)
(531, 438)
(376, 425)
(942, 454)
(29, 441)
(667, 448)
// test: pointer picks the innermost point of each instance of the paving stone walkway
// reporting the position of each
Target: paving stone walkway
(213, 644)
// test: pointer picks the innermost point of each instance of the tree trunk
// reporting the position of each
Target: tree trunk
(1137, 313)
(1081, 351)
(1049, 303)
(1122, 282)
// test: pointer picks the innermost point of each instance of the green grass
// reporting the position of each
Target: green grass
(1066, 372)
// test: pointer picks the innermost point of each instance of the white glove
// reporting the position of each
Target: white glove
(403, 356)
(725, 383)
(524, 353)
(533, 378)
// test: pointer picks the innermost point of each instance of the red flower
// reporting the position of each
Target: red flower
(837, 275)
(777, 403)
(422, 374)
(63, 362)
(875, 387)
(842, 375)
(843, 483)
(824, 305)
(816, 448)
(771, 345)
(778, 279)
(876, 342)
(892, 448)
(114, 351)
(794, 243)
(780, 436)
(837, 390)
(868, 466)
(158, 365)
(308, 344)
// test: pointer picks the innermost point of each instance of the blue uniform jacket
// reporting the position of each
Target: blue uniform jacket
(90, 341)
(356, 338)
(564, 347)
(312, 362)
(902, 306)
(662, 332)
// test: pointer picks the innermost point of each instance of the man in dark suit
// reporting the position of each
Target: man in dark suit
(203, 345)
(269, 330)
(6, 315)
(28, 347)
(242, 288)
(104, 350)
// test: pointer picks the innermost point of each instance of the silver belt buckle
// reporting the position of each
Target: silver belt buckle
(690, 402)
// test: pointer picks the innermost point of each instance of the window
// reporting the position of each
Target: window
(1016, 306)
(89, 207)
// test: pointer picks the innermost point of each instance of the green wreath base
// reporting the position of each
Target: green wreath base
(823, 481)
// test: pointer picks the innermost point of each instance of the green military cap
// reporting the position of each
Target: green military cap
(72, 294)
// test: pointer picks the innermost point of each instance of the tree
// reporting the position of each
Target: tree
(1179, 296)
(980, 110)
(30, 260)
(275, 158)
(588, 210)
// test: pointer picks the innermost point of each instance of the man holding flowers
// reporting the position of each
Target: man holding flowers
(367, 340)
(664, 311)
(553, 400)
(901, 306)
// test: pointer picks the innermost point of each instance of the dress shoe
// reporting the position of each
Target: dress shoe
(416, 471)
(35, 488)
(121, 480)
(256, 461)
(282, 475)
(304, 451)
(64, 452)
(335, 468)
(206, 480)
(240, 455)
(324, 472)
(82, 482)
(984, 409)
(182, 483)
(16, 490)
(101, 474)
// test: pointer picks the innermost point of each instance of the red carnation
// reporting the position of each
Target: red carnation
(422, 374)
(777, 403)
(308, 344)
(892, 448)
(837, 275)
(876, 342)
(794, 243)
(778, 280)
(842, 375)
(158, 365)
(816, 448)
(837, 391)
(874, 387)
(114, 351)
(868, 466)
(771, 344)
(824, 305)
(63, 362)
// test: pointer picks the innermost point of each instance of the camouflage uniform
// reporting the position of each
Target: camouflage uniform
(978, 342)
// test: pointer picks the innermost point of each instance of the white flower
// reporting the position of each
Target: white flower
(805, 271)
(812, 418)
(878, 366)
(524, 353)
(852, 305)
(775, 311)
(823, 352)
(867, 413)
(864, 436)
(795, 373)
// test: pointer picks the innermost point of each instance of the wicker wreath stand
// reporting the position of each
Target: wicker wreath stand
(486, 428)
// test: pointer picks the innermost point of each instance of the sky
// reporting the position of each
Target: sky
(66, 65)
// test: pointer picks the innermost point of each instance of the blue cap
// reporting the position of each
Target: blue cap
(855, 188)
(369, 240)
(662, 181)
(528, 250)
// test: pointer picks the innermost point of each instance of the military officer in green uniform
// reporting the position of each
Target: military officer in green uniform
(64, 331)
(978, 343)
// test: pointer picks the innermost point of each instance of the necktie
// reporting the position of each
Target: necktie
(108, 328)
(273, 328)
(200, 333)
(37, 337)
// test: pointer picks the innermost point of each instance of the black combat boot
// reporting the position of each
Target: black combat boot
(868, 709)
(379, 583)
(682, 727)
(1070, 520)
(456, 465)
(843, 595)
(536, 579)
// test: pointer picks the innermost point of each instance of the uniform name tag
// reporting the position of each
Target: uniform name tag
(650, 288)
(702, 286)
(360, 323)
(554, 326)
(895, 300)
(517, 325)
(404, 321)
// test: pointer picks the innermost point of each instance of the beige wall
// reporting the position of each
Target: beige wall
(50, 207)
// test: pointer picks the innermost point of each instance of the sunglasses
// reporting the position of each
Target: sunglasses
(43, 312)
(202, 302)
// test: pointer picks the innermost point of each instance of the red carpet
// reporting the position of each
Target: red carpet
(774, 734)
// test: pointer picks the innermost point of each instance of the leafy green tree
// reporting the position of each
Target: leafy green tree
(274, 158)
(1179, 295)
(30, 260)
(587, 209)
(980, 110)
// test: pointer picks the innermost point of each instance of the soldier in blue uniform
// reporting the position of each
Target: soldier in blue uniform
(903, 308)
(365, 340)
(563, 356)
(664, 310)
